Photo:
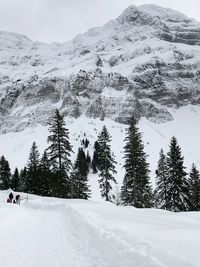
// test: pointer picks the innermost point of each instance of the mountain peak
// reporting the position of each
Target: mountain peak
(163, 13)
(150, 13)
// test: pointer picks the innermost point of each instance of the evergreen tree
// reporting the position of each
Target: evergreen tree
(88, 158)
(162, 194)
(23, 180)
(32, 183)
(15, 181)
(95, 160)
(79, 177)
(86, 143)
(136, 189)
(5, 174)
(125, 192)
(59, 153)
(177, 181)
(45, 175)
(194, 182)
(106, 164)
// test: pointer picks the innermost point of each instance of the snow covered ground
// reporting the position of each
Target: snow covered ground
(55, 232)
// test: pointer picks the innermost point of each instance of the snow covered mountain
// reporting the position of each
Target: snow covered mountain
(146, 62)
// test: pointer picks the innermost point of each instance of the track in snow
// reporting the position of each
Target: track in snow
(40, 235)
(47, 232)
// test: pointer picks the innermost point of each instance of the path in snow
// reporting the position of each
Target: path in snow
(54, 233)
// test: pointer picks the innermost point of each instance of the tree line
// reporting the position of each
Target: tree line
(53, 174)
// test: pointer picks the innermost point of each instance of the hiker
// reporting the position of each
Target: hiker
(10, 198)
(17, 199)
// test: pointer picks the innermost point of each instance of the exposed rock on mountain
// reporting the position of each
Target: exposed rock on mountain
(145, 62)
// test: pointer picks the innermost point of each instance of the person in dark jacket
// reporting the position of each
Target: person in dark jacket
(10, 198)
(17, 199)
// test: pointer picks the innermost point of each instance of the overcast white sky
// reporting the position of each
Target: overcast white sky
(61, 20)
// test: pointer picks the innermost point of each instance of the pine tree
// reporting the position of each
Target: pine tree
(106, 164)
(125, 192)
(5, 174)
(32, 183)
(79, 177)
(15, 181)
(23, 180)
(95, 160)
(136, 189)
(45, 175)
(194, 183)
(88, 158)
(86, 143)
(162, 194)
(177, 181)
(59, 153)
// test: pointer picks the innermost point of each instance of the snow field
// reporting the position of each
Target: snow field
(57, 232)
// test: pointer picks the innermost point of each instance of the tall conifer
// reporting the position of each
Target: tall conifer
(32, 184)
(194, 183)
(59, 152)
(106, 164)
(5, 174)
(15, 181)
(79, 177)
(136, 189)
(45, 176)
(162, 193)
(177, 179)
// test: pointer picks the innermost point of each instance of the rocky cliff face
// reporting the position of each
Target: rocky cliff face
(145, 62)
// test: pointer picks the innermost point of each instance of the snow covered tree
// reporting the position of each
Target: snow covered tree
(32, 184)
(162, 194)
(15, 181)
(45, 175)
(23, 180)
(5, 174)
(176, 180)
(79, 177)
(194, 182)
(136, 189)
(106, 164)
(125, 192)
(95, 161)
(88, 158)
(59, 153)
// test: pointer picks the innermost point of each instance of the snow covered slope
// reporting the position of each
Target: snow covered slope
(143, 62)
(146, 63)
(185, 126)
(54, 232)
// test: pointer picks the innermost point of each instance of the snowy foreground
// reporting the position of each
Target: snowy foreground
(76, 233)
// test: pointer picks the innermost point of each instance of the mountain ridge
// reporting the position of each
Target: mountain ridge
(141, 63)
